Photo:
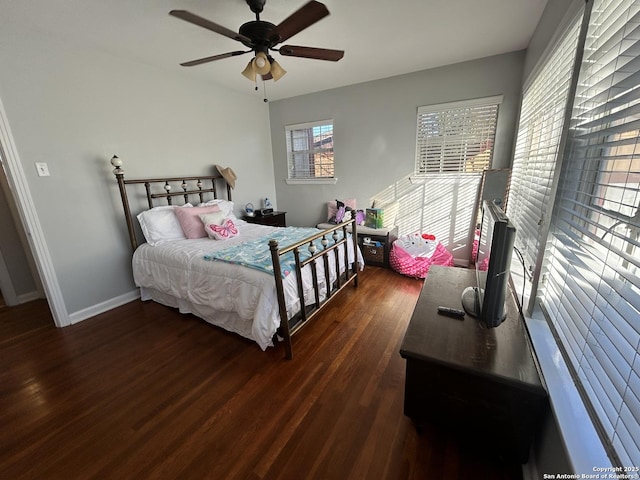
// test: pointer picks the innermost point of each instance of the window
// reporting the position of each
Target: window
(588, 193)
(591, 291)
(456, 137)
(310, 151)
(542, 114)
(454, 144)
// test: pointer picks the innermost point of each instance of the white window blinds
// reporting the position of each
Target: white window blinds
(591, 291)
(539, 131)
(456, 137)
(310, 150)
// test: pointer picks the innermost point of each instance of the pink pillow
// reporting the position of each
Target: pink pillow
(332, 206)
(190, 222)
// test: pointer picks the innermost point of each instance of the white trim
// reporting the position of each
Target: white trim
(419, 179)
(29, 297)
(311, 181)
(302, 126)
(474, 102)
(105, 306)
(582, 443)
(29, 218)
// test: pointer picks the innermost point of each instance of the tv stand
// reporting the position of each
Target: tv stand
(478, 382)
(470, 299)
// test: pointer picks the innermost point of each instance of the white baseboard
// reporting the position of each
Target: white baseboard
(461, 262)
(102, 307)
(29, 297)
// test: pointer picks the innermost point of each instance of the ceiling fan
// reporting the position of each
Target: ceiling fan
(262, 37)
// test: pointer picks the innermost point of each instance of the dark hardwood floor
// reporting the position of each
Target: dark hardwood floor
(145, 392)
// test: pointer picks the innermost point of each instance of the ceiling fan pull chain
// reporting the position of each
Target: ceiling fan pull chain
(264, 90)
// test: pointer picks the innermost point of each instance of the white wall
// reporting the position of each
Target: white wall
(74, 108)
(375, 128)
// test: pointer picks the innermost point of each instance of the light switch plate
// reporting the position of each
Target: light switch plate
(43, 169)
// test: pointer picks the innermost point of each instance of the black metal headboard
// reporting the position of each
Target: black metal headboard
(187, 187)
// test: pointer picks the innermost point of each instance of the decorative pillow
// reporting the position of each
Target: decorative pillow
(211, 219)
(343, 214)
(227, 230)
(190, 222)
(160, 224)
(332, 207)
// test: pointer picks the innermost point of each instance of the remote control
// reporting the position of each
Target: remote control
(451, 312)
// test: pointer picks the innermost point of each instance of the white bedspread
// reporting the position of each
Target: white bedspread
(239, 299)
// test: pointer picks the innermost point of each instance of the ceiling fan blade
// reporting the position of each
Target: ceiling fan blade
(209, 25)
(311, 52)
(305, 16)
(213, 58)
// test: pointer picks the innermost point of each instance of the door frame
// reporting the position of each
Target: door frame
(30, 222)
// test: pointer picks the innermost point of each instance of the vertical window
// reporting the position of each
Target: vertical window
(456, 137)
(310, 151)
(454, 144)
(591, 281)
(542, 117)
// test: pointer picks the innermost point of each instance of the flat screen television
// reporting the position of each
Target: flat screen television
(486, 299)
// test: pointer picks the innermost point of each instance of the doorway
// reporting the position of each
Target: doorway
(30, 232)
(19, 278)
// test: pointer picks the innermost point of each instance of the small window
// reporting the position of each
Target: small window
(456, 137)
(310, 151)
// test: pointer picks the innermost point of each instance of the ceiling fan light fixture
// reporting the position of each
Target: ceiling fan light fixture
(277, 72)
(250, 72)
(261, 63)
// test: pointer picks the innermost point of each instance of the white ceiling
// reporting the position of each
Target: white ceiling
(381, 38)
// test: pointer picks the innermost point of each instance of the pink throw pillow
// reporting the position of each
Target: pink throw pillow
(190, 222)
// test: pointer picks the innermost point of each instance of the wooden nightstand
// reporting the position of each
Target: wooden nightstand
(376, 252)
(275, 219)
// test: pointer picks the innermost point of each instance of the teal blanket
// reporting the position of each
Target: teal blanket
(256, 253)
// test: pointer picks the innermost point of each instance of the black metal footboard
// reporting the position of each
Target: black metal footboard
(330, 250)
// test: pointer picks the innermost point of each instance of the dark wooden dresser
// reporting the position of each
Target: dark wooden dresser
(275, 219)
(481, 383)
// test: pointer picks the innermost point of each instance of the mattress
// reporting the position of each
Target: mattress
(239, 299)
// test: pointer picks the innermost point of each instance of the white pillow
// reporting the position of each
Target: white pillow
(225, 205)
(160, 224)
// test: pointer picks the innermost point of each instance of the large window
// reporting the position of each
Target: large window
(589, 275)
(456, 137)
(310, 151)
(544, 108)
(592, 287)
(454, 144)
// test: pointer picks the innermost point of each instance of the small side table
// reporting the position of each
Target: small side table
(275, 219)
(376, 252)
